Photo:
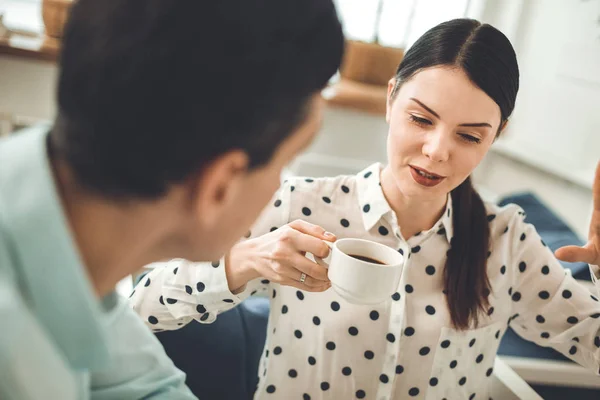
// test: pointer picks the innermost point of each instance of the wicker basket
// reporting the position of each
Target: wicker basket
(55, 14)
(370, 63)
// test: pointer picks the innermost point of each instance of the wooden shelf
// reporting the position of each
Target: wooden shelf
(36, 48)
(358, 96)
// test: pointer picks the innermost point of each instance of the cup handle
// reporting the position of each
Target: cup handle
(324, 262)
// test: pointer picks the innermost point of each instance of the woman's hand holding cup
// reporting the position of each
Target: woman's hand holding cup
(280, 256)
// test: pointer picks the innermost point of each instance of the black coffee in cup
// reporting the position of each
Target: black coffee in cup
(366, 259)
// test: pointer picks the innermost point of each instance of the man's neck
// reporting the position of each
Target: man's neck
(413, 215)
(114, 239)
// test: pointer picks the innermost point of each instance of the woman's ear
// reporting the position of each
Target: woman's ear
(388, 105)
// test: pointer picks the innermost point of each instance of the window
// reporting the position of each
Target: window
(401, 21)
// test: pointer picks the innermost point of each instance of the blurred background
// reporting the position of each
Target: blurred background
(549, 150)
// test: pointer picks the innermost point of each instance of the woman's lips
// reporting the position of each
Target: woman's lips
(427, 181)
(426, 171)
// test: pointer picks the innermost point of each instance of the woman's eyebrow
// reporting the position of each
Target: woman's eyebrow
(468, 124)
(425, 107)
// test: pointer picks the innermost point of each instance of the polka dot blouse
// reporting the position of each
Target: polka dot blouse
(321, 347)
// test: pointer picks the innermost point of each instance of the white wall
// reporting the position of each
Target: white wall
(27, 87)
(349, 141)
(556, 123)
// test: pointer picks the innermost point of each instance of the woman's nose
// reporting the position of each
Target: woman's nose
(437, 146)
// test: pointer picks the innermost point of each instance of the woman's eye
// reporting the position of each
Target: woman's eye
(469, 138)
(419, 120)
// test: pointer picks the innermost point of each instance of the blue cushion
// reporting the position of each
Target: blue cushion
(513, 345)
(221, 359)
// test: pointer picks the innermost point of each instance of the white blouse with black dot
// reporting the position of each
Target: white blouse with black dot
(322, 347)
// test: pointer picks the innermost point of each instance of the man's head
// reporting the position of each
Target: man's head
(205, 99)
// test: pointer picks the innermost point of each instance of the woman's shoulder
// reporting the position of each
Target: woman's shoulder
(330, 185)
(506, 213)
(310, 183)
(502, 219)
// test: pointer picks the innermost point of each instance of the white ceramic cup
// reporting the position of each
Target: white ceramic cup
(358, 281)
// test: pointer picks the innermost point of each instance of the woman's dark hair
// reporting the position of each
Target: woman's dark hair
(489, 60)
(150, 91)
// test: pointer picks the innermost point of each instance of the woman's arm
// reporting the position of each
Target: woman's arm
(179, 291)
(550, 307)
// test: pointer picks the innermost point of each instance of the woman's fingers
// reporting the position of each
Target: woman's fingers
(305, 243)
(313, 230)
(293, 268)
(586, 254)
(314, 286)
(303, 265)
(284, 262)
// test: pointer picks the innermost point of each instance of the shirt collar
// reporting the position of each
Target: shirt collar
(370, 195)
(446, 220)
(371, 198)
(47, 264)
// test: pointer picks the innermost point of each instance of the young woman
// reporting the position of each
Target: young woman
(472, 269)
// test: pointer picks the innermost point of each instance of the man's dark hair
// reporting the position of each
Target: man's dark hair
(150, 91)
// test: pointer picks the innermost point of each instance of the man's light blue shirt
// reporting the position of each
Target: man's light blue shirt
(57, 339)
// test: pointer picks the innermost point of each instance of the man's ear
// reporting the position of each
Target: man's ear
(217, 186)
(388, 104)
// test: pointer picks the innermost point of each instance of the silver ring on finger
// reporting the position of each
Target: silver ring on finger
(302, 277)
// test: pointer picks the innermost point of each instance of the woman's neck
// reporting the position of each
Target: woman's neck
(413, 214)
